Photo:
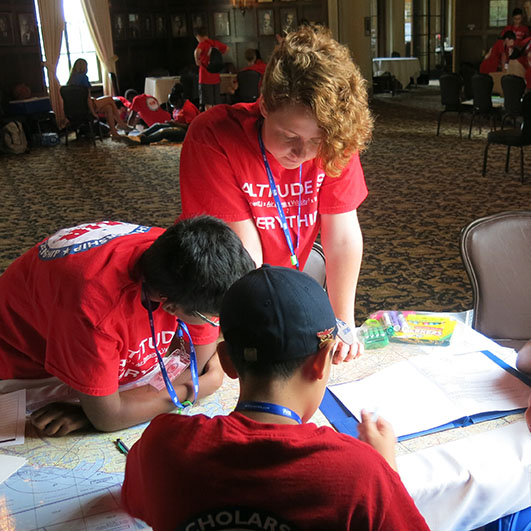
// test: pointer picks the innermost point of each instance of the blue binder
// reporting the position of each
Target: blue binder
(345, 422)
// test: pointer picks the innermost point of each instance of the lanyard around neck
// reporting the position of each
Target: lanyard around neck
(268, 407)
(181, 327)
(273, 187)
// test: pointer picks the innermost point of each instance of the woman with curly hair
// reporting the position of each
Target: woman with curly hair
(283, 168)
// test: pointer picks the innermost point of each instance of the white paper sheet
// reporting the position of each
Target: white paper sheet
(431, 390)
(467, 483)
(9, 464)
(13, 418)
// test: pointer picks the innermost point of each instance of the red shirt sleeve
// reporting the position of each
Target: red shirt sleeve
(346, 192)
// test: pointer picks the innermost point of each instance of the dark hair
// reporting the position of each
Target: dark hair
(267, 370)
(509, 35)
(194, 263)
(250, 55)
(176, 96)
(201, 31)
(517, 11)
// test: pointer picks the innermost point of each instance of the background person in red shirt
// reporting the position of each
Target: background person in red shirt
(521, 31)
(209, 94)
(497, 57)
(148, 109)
(254, 61)
(184, 111)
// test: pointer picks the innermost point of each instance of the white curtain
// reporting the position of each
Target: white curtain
(52, 24)
(99, 24)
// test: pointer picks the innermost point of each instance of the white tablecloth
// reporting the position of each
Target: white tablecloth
(403, 68)
(468, 483)
(160, 87)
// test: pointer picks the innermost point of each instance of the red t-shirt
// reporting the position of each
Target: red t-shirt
(206, 77)
(186, 113)
(149, 110)
(231, 469)
(222, 174)
(259, 66)
(521, 33)
(70, 307)
(493, 61)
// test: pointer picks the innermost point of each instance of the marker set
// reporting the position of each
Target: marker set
(407, 327)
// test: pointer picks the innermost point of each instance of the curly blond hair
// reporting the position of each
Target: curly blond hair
(310, 68)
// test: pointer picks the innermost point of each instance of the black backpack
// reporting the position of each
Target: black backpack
(215, 61)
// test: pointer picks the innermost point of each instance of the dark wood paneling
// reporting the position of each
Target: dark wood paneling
(140, 54)
(21, 62)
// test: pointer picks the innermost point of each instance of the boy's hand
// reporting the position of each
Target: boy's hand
(58, 419)
(379, 435)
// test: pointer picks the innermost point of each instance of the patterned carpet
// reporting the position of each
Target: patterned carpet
(423, 190)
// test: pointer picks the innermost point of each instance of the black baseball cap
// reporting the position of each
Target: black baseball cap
(278, 314)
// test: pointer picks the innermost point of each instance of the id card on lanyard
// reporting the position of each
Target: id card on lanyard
(274, 192)
(181, 329)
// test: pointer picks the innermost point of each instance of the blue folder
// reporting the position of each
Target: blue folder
(345, 422)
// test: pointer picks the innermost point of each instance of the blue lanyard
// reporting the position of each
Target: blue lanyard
(181, 326)
(267, 407)
(280, 210)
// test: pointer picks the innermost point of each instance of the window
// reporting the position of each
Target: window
(498, 12)
(77, 43)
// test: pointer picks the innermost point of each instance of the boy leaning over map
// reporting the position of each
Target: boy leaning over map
(265, 466)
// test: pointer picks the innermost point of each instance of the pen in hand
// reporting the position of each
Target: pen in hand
(121, 446)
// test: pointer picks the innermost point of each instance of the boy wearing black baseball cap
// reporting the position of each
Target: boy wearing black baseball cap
(263, 466)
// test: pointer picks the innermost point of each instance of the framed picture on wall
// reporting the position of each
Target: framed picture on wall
(266, 25)
(178, 25)
(134, 25)
(160, 25)
(221, 23)
(6, 30)
(198, 20)
(288, 20)
(147, 26)
(28, 29)
(119, 26)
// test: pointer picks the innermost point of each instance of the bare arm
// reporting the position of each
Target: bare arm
(92, 107)
(134, 406)
(197, 54)
(250, 238)
(343, 247)
(523, 361)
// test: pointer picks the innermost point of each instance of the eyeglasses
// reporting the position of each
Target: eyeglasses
(206, 319)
